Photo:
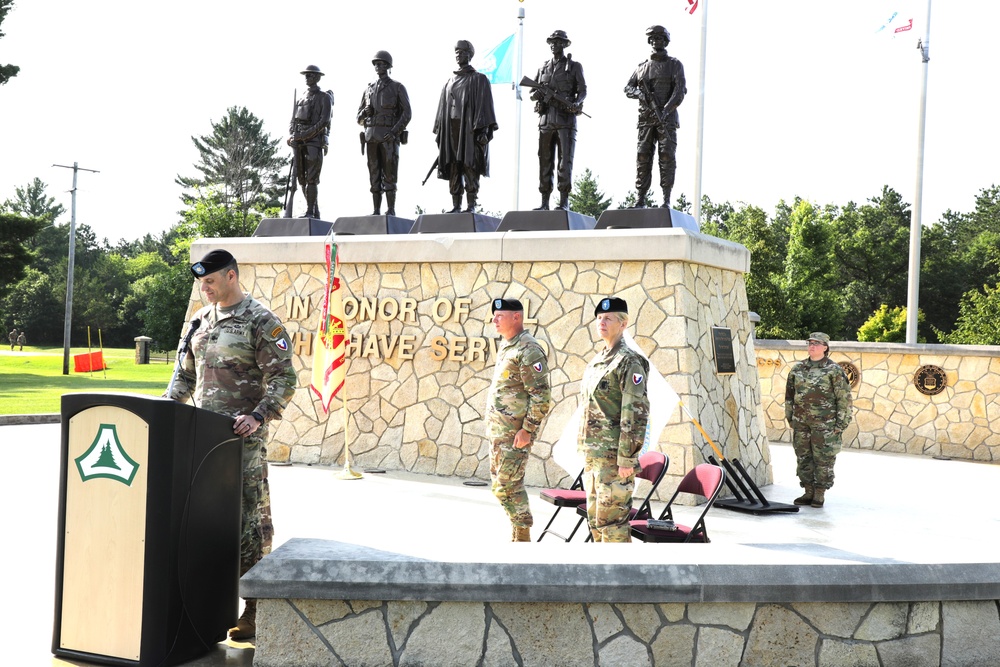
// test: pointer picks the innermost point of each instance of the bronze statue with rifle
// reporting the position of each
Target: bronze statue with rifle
(659, 85)
(309, 136)
(558, 90)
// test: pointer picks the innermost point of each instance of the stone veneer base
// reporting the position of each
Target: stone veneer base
(330, 603)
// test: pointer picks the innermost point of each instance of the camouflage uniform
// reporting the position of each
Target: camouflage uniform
(240, 361)
(611, 435)
(519, 398)
(818, 408)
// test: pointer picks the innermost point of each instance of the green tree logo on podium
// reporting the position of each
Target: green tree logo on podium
(106, 457)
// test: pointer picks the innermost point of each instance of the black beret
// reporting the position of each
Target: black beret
(507, 304)
(611, 305)
(212, 262)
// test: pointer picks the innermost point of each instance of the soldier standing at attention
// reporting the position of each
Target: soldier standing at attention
(518, 400)
(613, 427)
(659, 85)
(818, 406)
(239, 364)
(384, 113)
(309, 136)
(560, 76)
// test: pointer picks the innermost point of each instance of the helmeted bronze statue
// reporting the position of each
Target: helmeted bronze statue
(464, 126)
(384, 112)
(309, 136)
(659, 85)
(558, 101)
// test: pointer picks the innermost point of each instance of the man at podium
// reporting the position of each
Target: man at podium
(238, 363)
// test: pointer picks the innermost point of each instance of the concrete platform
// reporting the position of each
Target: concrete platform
(885, 509)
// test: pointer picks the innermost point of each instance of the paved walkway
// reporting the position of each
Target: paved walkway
(884, 508)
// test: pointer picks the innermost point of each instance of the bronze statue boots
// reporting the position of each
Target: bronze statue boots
(377, 201)
(472, 202)
(563, 202)
(457, 201)
(806, 498)
(521, 534)
(390, 203)
(545, 203)
(819, 497)
(640, 200)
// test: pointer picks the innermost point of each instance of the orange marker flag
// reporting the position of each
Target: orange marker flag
(330, 349)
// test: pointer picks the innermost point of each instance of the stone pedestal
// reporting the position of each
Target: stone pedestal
(646, 218)
(292, 227)
(372, 224)
(537, 221)
(454, 223)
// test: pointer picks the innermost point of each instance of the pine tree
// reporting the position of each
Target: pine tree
(586, 198)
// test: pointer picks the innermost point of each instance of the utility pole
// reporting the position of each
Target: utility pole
(72, 263)
(913, 279)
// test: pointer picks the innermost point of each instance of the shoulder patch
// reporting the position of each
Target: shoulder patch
(277, 331)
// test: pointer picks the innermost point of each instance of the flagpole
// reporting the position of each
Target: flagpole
(700, 132)
(517, 109)
(913, 278)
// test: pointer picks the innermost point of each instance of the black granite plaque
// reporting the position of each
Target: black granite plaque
(722, 343)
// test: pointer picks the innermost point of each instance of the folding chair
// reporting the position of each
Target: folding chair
(561, 498)
(653, 469)
(704, 480)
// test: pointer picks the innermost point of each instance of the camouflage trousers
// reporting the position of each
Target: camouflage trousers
(609, 499)
(257, 530)
(507, 473)
(816, 450)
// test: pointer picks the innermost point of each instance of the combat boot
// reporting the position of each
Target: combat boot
(640, 200)
(807, 497)
(545, 203)
(819, 497)
(563, 202)
(390, 203)
(522, 534)
(471, 197)
(666, 199)
(457, 201)
(377, 202)
(246, 627)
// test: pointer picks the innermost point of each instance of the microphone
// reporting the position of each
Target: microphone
(195, 323)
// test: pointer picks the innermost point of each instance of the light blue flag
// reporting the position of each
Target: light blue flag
(498, 64)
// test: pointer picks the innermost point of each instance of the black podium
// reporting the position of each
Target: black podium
(147, 564)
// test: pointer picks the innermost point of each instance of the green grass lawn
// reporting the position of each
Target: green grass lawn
(32, 382)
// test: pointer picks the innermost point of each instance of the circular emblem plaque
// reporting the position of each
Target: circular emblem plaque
(852, 372)
(930, 380)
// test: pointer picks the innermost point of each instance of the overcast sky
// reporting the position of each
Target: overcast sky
(802, 97)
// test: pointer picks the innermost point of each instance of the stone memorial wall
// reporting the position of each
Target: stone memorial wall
(422, 341)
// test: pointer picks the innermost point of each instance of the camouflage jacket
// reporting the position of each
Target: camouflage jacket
(616, 405)
(519, 396)
(817, 394)
(238, 362)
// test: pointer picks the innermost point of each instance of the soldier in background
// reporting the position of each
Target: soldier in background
(21, 340)
(563, 77)
(818, 406)
(518, 400)
(12, 337)
(384, 113)
(613, 427)
(659, 85)
(464, 125)
(309, 136)
(239, 364)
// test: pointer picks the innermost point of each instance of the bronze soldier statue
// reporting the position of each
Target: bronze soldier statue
(464, 125)
(384, 113)
(558, 101)
(659, 85)
(309, 136)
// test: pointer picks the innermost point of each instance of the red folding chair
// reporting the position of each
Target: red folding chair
(561, 498)
(653, 468)
(704, 480)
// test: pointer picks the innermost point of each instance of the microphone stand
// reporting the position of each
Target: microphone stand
(181, 353)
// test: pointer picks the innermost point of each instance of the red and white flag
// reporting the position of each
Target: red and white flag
(330, 349)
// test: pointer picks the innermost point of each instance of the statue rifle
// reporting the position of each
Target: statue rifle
(549, 93)
(650, 100)
(291, 183)
(431, 170)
